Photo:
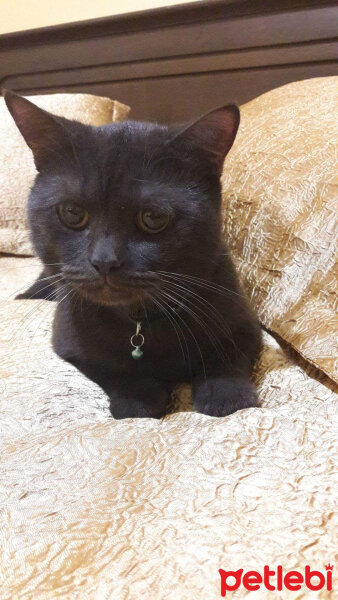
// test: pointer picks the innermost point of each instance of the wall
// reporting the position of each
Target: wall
(18, 15)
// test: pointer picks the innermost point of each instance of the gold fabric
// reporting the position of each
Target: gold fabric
(17, 169)
(280, 214)
(94, 508)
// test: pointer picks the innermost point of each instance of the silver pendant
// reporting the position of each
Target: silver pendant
(137, 341)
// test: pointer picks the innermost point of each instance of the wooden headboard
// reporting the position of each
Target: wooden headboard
(175, 63)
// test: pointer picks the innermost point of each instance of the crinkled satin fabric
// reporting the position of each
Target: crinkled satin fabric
(280, 214)
(93, 508)
(17, 169)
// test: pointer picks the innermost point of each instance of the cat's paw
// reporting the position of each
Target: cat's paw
(137, 410)
(221, 396)
(141, 399)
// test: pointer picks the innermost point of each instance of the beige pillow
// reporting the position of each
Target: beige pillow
(280, 214)
(17, 169)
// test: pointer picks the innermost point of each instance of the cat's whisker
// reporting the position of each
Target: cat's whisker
(45, 287)
(214, 319)
(16, 292)
(56, 279)
(213, 339)
(172, 320)
(197, 298)
(24, 322)
(51, 284)
(173, 281)
(203, 283)
(21, 328)
(50, 276)
(191, 333)
(43, 317)
(30, 266)
(48, 309)
(198, 308)
(220, 319)
(145, 308)
(77, 298)
(65, 296)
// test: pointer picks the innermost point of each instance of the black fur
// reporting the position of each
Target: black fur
(202, 331)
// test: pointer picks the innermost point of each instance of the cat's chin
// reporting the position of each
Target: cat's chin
(104, 296)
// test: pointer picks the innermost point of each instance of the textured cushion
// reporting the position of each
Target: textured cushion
(17, 169)
(94, 508)
(280, 214)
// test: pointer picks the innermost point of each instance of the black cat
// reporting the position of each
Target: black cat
(127, 220)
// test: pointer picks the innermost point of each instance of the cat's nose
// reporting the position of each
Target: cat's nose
(105, 267)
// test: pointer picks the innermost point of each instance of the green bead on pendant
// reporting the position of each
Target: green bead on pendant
(137, 353)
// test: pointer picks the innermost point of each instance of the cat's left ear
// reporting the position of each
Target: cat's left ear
(213, 134)
(44, 133)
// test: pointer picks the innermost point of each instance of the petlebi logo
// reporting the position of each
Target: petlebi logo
(276, 579)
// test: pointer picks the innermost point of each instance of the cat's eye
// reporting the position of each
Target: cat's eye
(153, 221)
(72, 215)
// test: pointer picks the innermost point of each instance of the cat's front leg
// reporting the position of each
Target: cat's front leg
(221, 396)
(141, 398)
(129, 397)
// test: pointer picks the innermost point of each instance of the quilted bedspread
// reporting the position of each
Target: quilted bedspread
(93, 508)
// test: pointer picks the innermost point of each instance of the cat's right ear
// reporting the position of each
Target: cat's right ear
(43, 132)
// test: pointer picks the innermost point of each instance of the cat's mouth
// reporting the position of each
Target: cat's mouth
(111, 296)
(108, 293)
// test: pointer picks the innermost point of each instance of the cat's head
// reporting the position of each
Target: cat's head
(112, 207)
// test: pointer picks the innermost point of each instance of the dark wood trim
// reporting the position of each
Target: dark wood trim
(73, 86)
(175, 63)
(211, 62)
(172, 16)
